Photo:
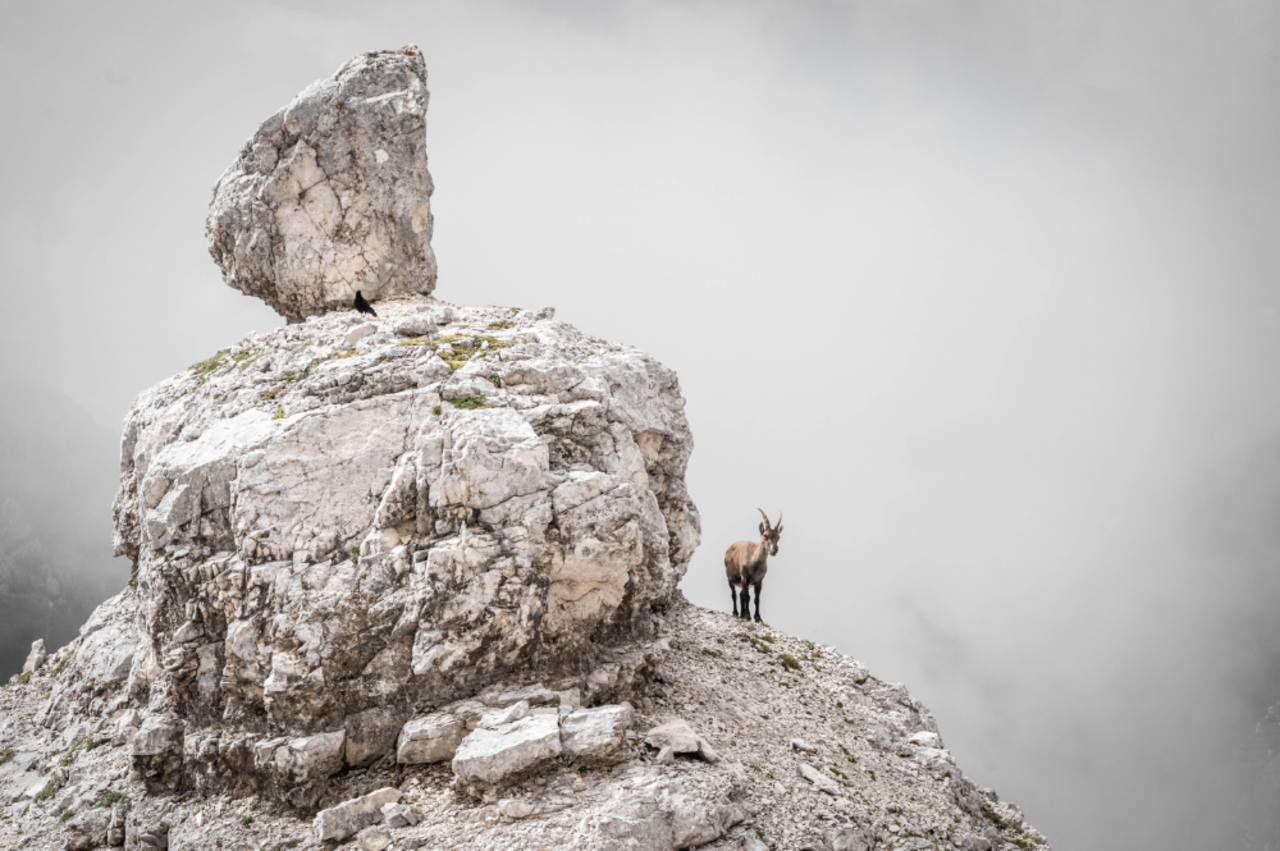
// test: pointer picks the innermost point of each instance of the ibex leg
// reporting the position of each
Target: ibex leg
(746, 602)
(757, 604)
(733, 595)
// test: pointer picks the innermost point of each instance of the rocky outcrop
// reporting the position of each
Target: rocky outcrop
(332, 540)
(332, 195)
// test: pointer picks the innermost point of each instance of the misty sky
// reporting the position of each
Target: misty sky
(982, 294)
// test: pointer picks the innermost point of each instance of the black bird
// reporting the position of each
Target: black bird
(364, 306)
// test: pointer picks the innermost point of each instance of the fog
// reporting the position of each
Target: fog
(981, 295)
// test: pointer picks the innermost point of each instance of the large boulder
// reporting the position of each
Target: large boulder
(332, 195)
(322, 531)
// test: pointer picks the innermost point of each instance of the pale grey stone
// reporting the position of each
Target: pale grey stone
(36, 657)
(802, 745)
(491, 756)
(820, 781)
(414, 326)
(850, 839)
(352, 816)
(332, 193)
(515, 809)
(597, 735)
(399, 815)
(358, 333)
(373, 839)
(432, 738)
(371, 734)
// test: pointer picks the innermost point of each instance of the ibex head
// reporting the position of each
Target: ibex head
(769, 534)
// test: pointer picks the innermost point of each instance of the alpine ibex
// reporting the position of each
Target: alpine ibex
(746, 563)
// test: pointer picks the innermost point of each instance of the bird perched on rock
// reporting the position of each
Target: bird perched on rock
(364, 306)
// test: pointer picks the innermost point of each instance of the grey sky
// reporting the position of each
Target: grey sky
(982, 295)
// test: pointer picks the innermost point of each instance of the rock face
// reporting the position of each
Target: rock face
(332, 540)
(332, 195)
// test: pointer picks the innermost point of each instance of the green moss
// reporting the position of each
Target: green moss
(355, 555)
(108, 798)
(279, 414)
(66, 816)
(790, 662)
(872, 772)
(468, 402)
(435, 409)
(495, 380)
(204, 367)
(838, 773)
(246, 821)
(755, 767)
(50, 789)
(293, 844)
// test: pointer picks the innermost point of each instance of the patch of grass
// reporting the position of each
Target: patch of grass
(268, 395)
(208, 365)
(246, 821)
(24, 677)
(838, 773)
(355, 555)
(839, 704)
(790, 662)
(992, 816)
(293, 844)
(495, 380)
(435, 409)
(108, 798)
(500, 324)
(62, 666)
(279, 414)
(848, 755)
(50, 789)
(872, 772)
(66, 817)
(468, 402)
(8, 756)
(707, 651)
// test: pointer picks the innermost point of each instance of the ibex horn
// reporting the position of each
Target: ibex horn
(779, 523)
(766, 518)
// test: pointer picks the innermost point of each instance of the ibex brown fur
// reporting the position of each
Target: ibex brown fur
(746, 563)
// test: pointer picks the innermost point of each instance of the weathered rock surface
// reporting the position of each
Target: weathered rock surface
(323, 532)
(332, 195)
(496, 753)
(743, 700)
(353, 816)
(596, 735)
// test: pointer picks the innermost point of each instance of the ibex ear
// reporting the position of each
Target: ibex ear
(778, 531)
(761, 528)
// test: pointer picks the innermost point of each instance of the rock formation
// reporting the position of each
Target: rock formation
(332, 193)
(413, 583)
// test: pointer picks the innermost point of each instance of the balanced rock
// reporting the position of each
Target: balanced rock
(332, 195)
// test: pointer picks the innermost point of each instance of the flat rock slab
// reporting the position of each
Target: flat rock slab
(597, 735)
(489, 756)
(680, 738)
(350, 817)
(431, 738)
(818, 779)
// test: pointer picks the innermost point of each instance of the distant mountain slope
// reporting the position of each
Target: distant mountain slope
(58, 474)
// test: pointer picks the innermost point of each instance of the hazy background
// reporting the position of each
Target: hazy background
(982, 294)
